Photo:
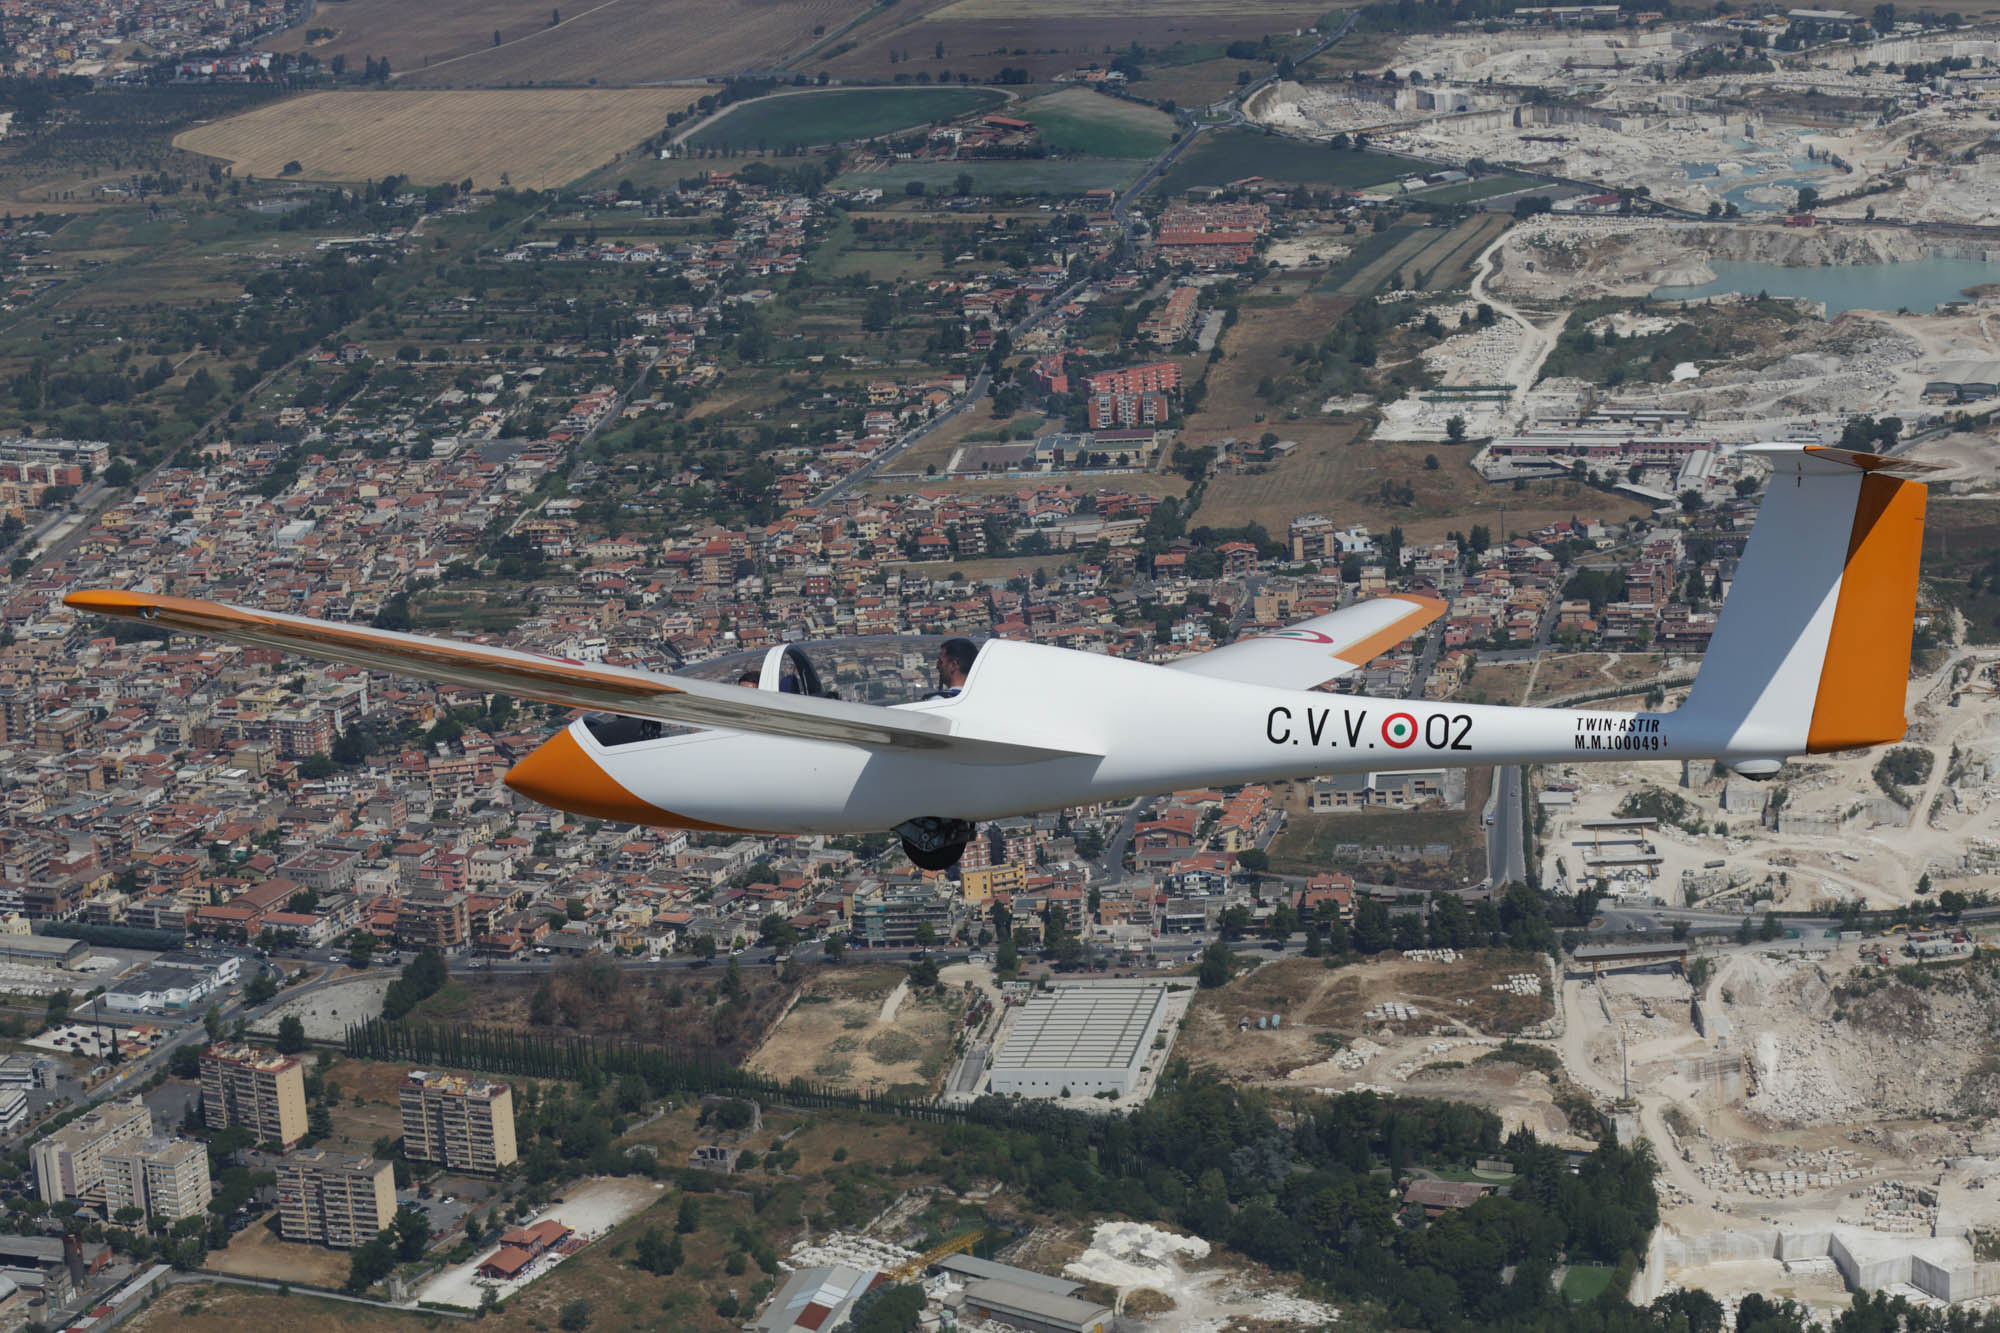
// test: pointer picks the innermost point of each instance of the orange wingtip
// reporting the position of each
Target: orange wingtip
(1425, 610)
(111, 601)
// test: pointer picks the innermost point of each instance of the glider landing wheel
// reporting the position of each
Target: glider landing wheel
(933, 842)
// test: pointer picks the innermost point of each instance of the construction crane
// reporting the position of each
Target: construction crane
(956, 1245)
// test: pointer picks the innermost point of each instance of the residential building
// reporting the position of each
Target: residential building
(335, 1200)
(464, 1124)
(433, 920)
(69, 1164)
(262, 1091)
(165, 1178)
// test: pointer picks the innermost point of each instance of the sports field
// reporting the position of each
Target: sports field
(1223, 156)
(536, 139)
(1077, 121)
(808, 119)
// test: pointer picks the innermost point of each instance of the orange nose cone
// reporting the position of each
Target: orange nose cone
(560, 774)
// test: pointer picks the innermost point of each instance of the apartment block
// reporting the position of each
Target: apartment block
(162, 1177)
(335, 1200)
(433, 920)
(259, 1090)
(462, 1124)
(70, 1163)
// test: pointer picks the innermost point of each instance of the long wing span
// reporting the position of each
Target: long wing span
(1315, 651)
(567, 684)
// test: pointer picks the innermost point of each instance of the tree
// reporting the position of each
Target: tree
(370, 1264)
(575, 1316)
(834, 946)
(1234, 923)
(291, 1035)
(360, 949)
(1372, 930)
(211, 1022)
(656, 1253)
(1770, 930)
(1216, 965)
(688, 1219)
(1253, 860)
(1454, 429)
(1808, 198)
(259, 989)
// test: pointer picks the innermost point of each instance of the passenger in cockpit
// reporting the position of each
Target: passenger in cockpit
(954, 664)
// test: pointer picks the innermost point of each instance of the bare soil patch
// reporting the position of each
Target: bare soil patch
(836, 1034)
(257, 1251)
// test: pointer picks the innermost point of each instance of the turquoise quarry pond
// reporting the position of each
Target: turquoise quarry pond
(1914, 284)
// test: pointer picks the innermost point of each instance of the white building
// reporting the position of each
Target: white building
(1083, 1039)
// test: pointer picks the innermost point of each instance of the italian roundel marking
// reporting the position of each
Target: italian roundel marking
(1299, 635)
(1399, 730)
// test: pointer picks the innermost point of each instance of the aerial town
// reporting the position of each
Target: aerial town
(785, 347)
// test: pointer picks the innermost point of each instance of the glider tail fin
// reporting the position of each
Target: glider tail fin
(1811, 652)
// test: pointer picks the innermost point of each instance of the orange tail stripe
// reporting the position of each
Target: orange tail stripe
(1867, 670)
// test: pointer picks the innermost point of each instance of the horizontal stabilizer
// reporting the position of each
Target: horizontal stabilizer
(1315, 651)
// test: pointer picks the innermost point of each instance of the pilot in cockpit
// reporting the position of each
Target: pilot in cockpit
(954, 664)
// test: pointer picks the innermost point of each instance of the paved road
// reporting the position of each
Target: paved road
(1506, 857)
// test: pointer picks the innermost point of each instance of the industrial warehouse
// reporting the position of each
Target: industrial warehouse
(1081, 1040)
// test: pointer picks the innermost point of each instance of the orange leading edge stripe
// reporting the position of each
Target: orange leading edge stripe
(216, 618)
(1363, 651)
(1866, 674)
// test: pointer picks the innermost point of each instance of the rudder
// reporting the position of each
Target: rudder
(1811, 651)
(1867, 669)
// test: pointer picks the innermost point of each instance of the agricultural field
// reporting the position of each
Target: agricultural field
(1076, 121)
(638, 41)
(1048, 176)
(863, 1031)
(1051, 37)
(1228, 155)
(805, 120)
(534, 139)
(411, 36)
(1198, 83)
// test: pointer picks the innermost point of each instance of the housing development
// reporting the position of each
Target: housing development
(781, 346)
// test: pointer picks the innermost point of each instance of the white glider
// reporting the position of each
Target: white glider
(1810, 654)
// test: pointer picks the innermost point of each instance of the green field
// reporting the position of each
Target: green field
(1471, 192)
(1001, 178)
(1099, 126)
(834, 117)
(1223, 156)
(1586, 1282)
